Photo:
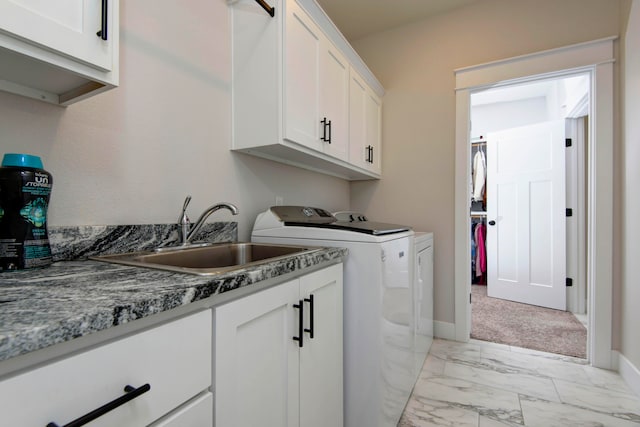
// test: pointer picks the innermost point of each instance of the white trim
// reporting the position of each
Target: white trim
(581, 108)
(597, 59)
(581, 217)
(572, 252)
(629, 373)
(462, 199)
(579, 55)
(600, 218)
(444, 330)
(576, 225)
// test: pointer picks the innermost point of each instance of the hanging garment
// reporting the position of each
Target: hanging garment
(473, 249)
(481, 252)
(479, 176)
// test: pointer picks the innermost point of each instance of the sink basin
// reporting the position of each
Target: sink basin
(207, 260)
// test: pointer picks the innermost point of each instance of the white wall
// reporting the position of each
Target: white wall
(505, 115)
(630, 295)
(416, 63)
(131, 155)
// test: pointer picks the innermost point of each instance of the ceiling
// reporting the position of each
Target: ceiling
(360, 18)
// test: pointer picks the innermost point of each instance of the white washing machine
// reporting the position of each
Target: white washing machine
(379, 336)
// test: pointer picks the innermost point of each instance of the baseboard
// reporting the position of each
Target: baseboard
(444, 330)
(629, 373)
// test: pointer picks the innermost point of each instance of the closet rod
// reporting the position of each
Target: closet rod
(479, 143)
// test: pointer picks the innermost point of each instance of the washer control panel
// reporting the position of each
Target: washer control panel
(302, 214)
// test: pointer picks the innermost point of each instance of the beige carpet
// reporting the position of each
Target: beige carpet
(527, 326)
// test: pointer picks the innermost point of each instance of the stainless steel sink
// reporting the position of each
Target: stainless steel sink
(207, 260)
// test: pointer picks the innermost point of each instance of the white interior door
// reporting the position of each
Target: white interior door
(526, 215)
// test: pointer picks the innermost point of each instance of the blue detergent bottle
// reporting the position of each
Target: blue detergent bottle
(25, 189)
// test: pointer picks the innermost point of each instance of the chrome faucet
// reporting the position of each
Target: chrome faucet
(187, 232)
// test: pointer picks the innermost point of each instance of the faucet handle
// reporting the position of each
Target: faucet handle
(183, 218)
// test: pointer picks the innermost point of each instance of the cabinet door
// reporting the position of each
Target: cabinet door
(358, 148)
(302, 78)
(321, 355)
(334, 101)
(68, 27)
(365, 113)
(373, 118)
(256, 360)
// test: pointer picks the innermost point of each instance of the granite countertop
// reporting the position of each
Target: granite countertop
(71, 299)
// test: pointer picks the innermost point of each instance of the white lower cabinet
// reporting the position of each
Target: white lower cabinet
(172, 360)
(198, 413)
(278, 355)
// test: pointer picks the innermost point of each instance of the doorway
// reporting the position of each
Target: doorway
(596, 59)
(525, 174)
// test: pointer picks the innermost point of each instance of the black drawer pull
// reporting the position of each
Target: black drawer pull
(310, 330)
(132, 393)
(103, 30)
(300, 308)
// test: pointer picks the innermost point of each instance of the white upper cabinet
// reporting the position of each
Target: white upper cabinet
(365, 114)
(68, 27)
(61, 51)
(302, 79)
(291, 87)
(316, 83)
(334, 101)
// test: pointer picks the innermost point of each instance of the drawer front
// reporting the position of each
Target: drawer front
(174, 359)
(198, 413)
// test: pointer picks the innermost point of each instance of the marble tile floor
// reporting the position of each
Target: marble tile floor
(481, 384)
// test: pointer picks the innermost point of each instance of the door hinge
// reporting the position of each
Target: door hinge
(568, 142)
(569, 281)
(569, 212)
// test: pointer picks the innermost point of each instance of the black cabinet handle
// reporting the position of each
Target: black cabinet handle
(369, 158)
(492, 222)
(310, 330)
(132, 393)
(329, 139)
(103, 30)
(324, 124)
(300, 337)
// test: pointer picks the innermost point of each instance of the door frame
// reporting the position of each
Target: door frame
(597, 59)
